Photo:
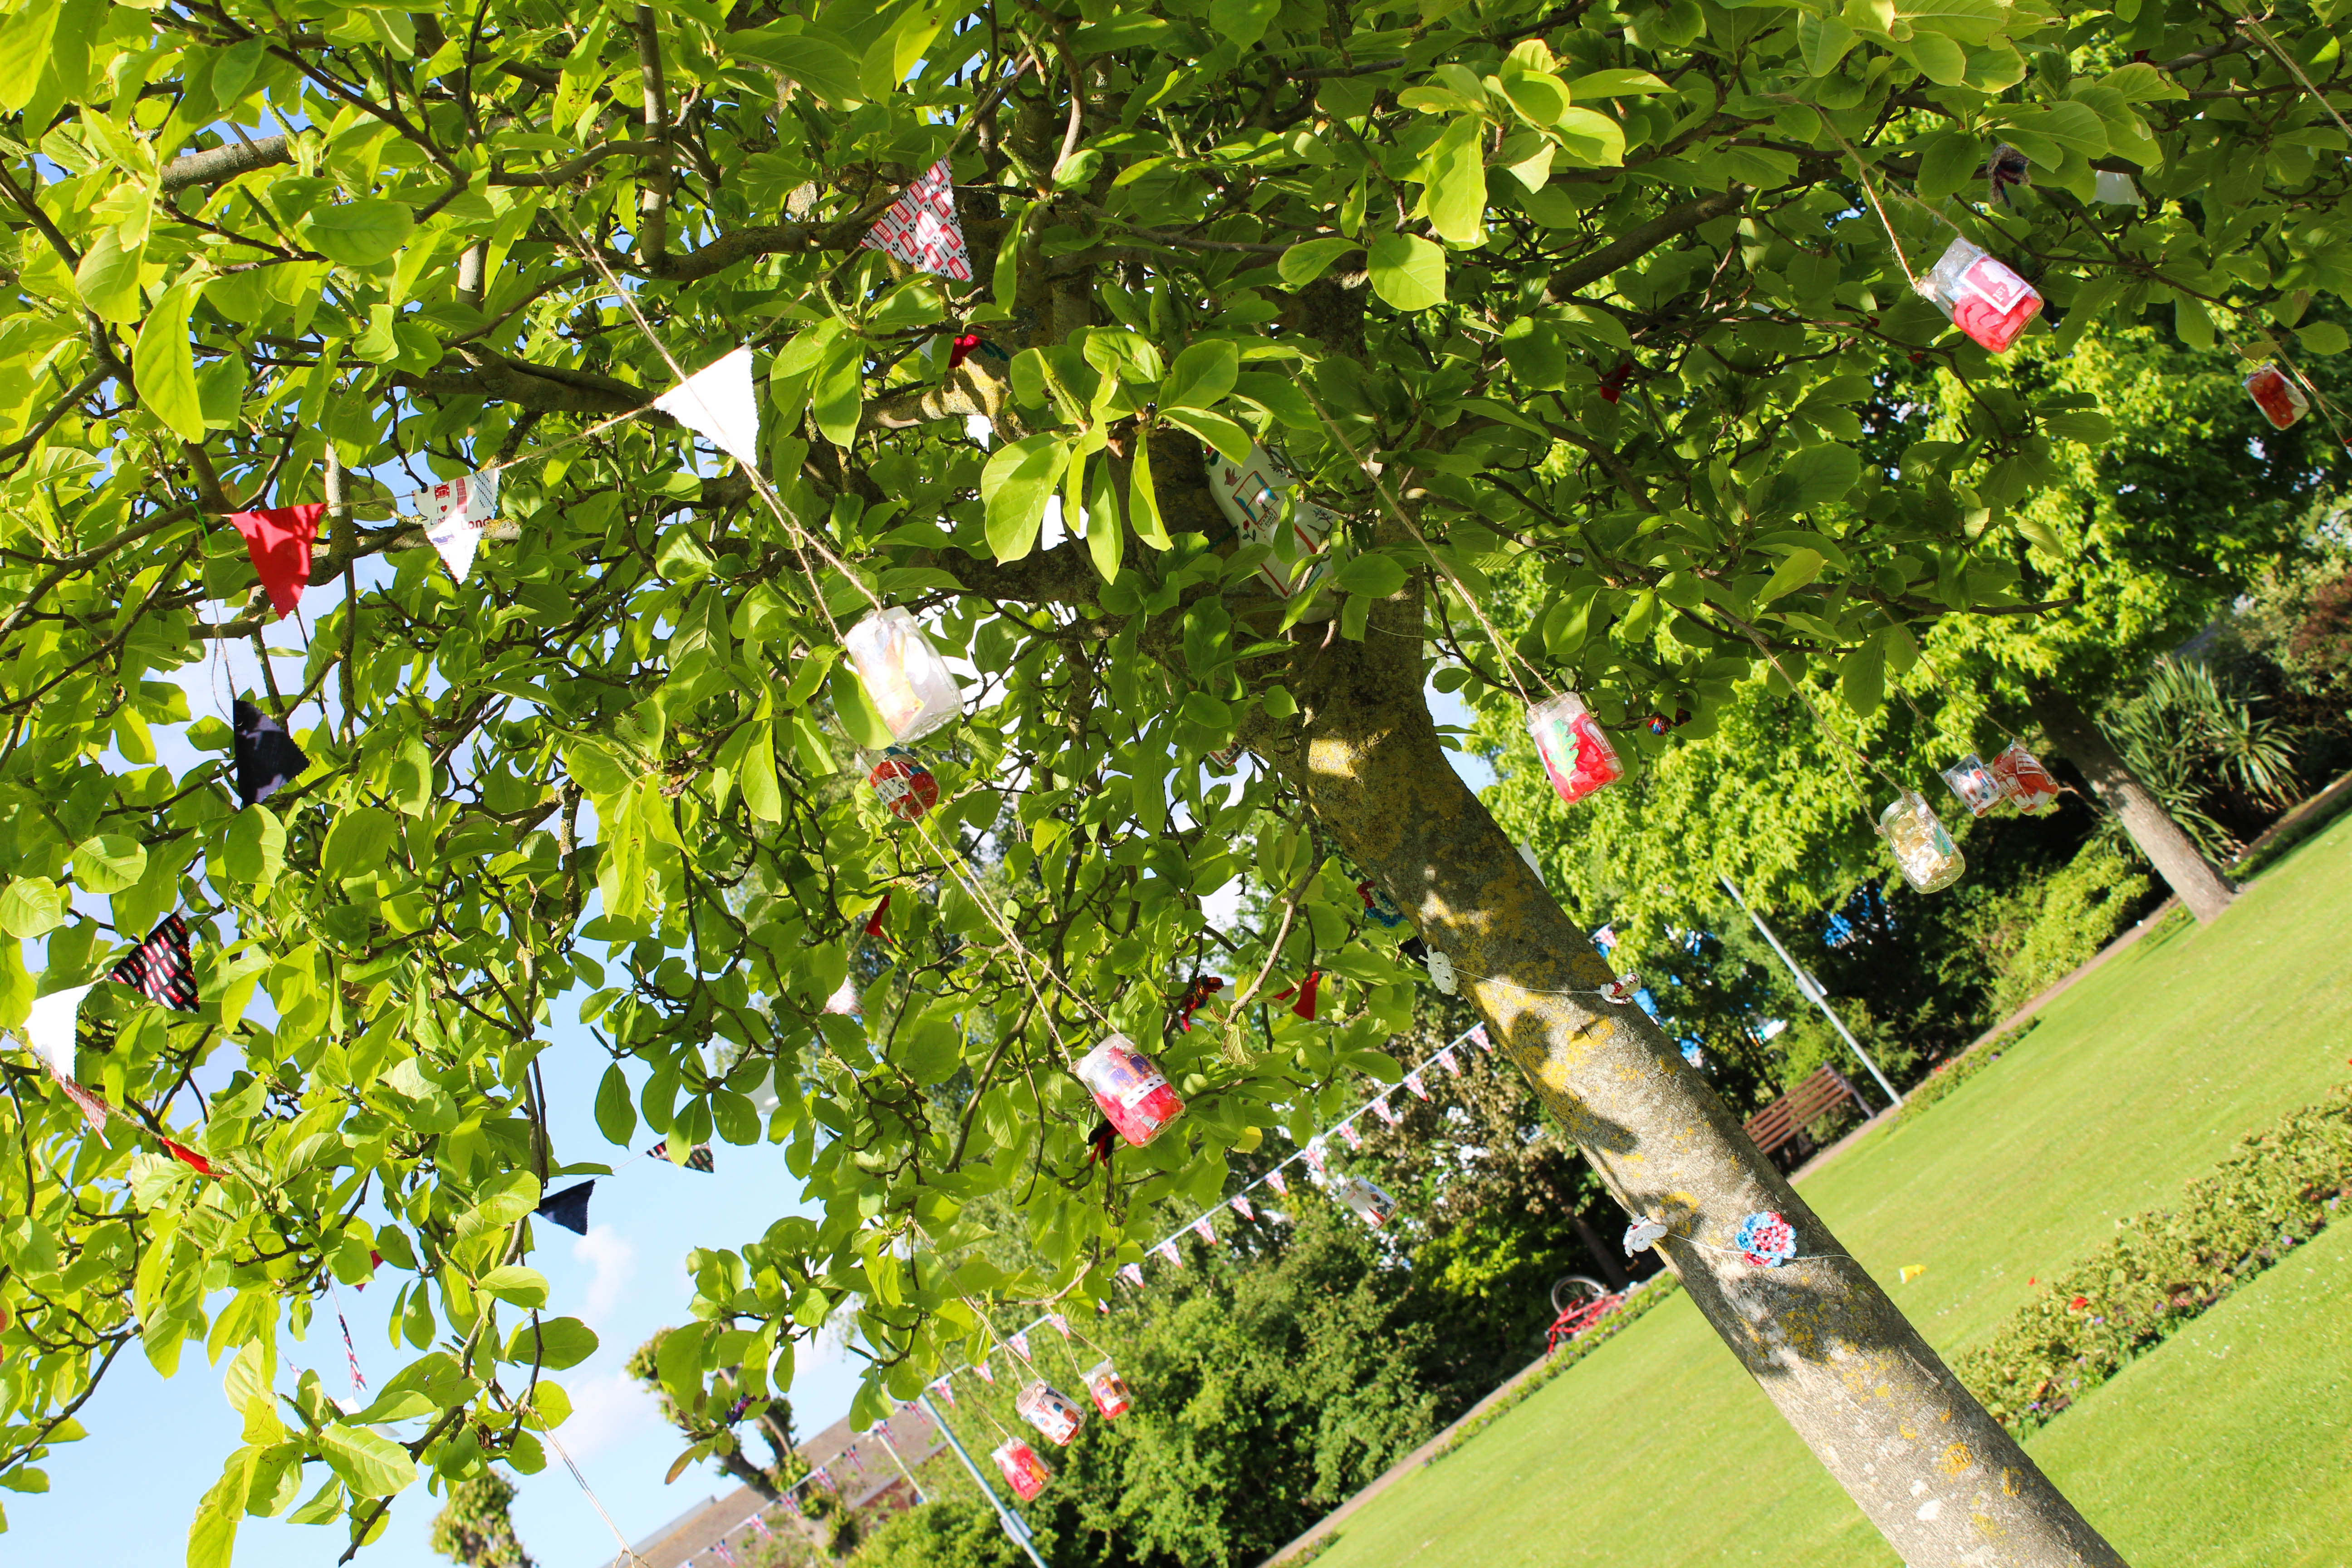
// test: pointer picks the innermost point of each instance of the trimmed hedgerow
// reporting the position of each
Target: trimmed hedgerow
(2167, 1267)
(1958, 1071)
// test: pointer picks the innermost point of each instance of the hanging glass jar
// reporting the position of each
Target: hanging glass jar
(1367, 1199)
(1130, 1089)
(1108, 1390)
(1982, 296)
(1929, 860)
(2276, 394)
(907, 788)
(2023, 779)
(1974, 784)
(1576, 754)
(1023, 1470)
(1049, 1410)
(903, 674)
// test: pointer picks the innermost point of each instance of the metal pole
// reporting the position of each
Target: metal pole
(891, 1448)
(1014, 1525)
(1812, 992)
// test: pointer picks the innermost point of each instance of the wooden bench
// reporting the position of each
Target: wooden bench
(1784, 1121)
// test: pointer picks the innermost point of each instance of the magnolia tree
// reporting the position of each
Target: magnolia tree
(1592, 304)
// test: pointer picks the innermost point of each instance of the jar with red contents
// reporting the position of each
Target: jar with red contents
(1108, 1390)
(1051, 1411)
(1982, 296)
(1023, 1470)
(2023, 779)
(2280, 399)
(907, 787)
(1577, 756)
(1130, 1089)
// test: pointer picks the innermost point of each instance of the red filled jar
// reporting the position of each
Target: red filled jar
(1108, 1390)
(1051, 1411)
(1023, 1470)
(1982, 296)
(2280, 399)
(2023, 779)
(1576, 755)
(1129, 1088)
(907, 788)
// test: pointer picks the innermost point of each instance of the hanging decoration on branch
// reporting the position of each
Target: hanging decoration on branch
(1019, 1341)
(1381, 1109)
(1355, 1139)
(1577, 756)
(1303, 1007)
(1279, 1182)
(2115, 187)
(907, 788)
(1370, 1201)
(1974, 783)
(1167, 1250)
(2023, 779)
(278, 541)
(2006, 168)
(1766, 1241)
(161, 967)
(1250, 495)
(921, 228)
(1982, 295)
(456, 514)
(2281, 401)
(1196, 996)
(1416, 1086)
(1486, 1042)
(698, 1158)
(1023, 1470)
(1132, 1273)
(1380, 906)
(908, 683)
(1108, 1390)
(719, 404)
(568, 1208)
(1622, 990)
(987, 1373)
(1129, 1089)
(1051, 1411)
(1440, 974)
(1643, 1235)
(1202, 1228)
(1924, 852)
(1450, 1062)
(51, 1029)
(267, 759)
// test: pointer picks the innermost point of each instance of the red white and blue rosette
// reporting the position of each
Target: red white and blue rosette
(1766, 1241)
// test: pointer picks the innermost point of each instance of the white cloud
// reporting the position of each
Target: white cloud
(606, 1410)
(604, 1250)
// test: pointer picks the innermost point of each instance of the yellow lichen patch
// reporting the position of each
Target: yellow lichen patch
(1333, 758)
(1957, 1459)
(2007, 1482)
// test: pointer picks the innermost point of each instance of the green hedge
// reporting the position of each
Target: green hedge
(1958, 1071)
(2167, 1267)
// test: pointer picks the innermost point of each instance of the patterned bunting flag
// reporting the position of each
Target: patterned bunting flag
(719, 404)
(921, 228)
(1449, 1062)
(278, 541)
(1020, 1343)
(698, 1158)
(1412, 1081)
(1480, 1036)
(1200, 1228)
(160, 967)
(1280, 1184)
(569, 1208)
(1241, 1208)
(456, 516)
(186, 1157)
(945, 1389)
(1317, 1160)
(267, 759)
(1355, 1139)
(1381, 1110)
(1132, 1273)
(1167, 1249)
(51, 1029)
(986, 1377)
(1061, 1324)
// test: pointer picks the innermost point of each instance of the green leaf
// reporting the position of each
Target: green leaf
(212, 1534)
(1202, 375)
(1143, 500)
(1242, 21)
(360, 843)
(1616, 84)
(555, 1343)
(616, 1113)
(860, 720)
(1823, 41)
(1372, 574)
(1017, 482)
(1228, 437)
(516, 1286)
(1862, 676)
(1456, 170)
(2322, 337)
(108, 277)
(1950, 162)
(163, 364)
(1969, 21)
(25, 43)
(254, 849)
(371, 1464)
(1800, 567)
(2090, 427)
(1407, 272)
(1540, 97)
(1817, 475)
(361, 234)
(2074, 126)
(822, 67)
(33, 906)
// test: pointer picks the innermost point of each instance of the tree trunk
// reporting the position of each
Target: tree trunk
(1611, 1269)
(2173, 853)
(1940, 1479)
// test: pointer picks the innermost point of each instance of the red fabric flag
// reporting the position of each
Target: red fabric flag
(1305, 1005)
(279, 541)
(874, 925)
(187, 1156)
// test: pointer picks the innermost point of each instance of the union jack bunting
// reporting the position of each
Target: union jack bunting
(1412, 1081)
(1278, 1182)
(1020, 1343)
(160, 967)
(1200, 1228)
(1317, 1159)
(1167, 1249)
(1486, 1042)
(1449, 1062)
(1241, 1208)
(986, 1377)
(1380, 1109)
(921, 228)
(1132, 1273)
(1061, 1324)
(1348, 1130)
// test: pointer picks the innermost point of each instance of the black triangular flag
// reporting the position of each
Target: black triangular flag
(569, 1208)
(160, 967)
(267, 759)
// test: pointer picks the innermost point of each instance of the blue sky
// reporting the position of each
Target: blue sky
(156, 1444)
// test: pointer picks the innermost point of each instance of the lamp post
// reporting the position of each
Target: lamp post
(1014, 1525)
(1812, 992)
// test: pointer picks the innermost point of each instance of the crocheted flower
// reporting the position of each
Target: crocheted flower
(1643, 1234)
(1766, 1241)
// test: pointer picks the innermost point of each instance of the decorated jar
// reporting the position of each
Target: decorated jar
(904, 676)
(1982, 296)
(1108, 1389)
(1576, 754)
(2023, 779)
(1049, 1410)
(1929, 860)
(907, 788)
(1974, 783)
(1366, 1198)
(2276, 394)
(1131, 1090)
(1023, 1470)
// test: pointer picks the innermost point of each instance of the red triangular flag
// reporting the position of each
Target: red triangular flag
(1305, 1005)
(186, 1157)
(279, 541)
(874, 925)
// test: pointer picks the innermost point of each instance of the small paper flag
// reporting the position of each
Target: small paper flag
(1202, 1230)
(278, 541)
(945, 1389)
(1484, 1041)
(1132, 1273)
(1381, 1110)
(186, 1157)
(698, 1158)
(267, 759)
(1061, 1324)
(1020, 1343)
(921, 228)
(1449, 1062)
(569, 1208)
(1355, 1139)
(160, 967)
(1912, 1272)
(1317, 1159)
(1275, 1180)
(1167, 1249)
(1412, 1081)
(1241, 1208)
(719, 404)
(51, 1025)
(980, 1366)
(455, 515)
(1642, 1235)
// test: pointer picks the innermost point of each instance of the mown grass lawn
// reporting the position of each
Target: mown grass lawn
(1659, 1450)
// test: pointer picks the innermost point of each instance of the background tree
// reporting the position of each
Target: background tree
(1581, 299)
(475, 1527)
(710, 1412)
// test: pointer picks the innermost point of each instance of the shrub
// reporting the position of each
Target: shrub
(1951, 1075)
(953, 1533)
(2167, 1267)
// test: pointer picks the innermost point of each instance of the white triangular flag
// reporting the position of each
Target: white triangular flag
(455, 515)
(719, 403)
(50, 1028)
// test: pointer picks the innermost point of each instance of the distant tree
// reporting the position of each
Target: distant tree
(708, 1413)
(475, 1527)
(951, 1532)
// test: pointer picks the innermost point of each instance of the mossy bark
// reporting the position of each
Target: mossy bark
(2183, 866)
(1938, 1477)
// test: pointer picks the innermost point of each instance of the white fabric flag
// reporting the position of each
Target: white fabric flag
(456, 516)
(50, 1028)
(719, 403)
